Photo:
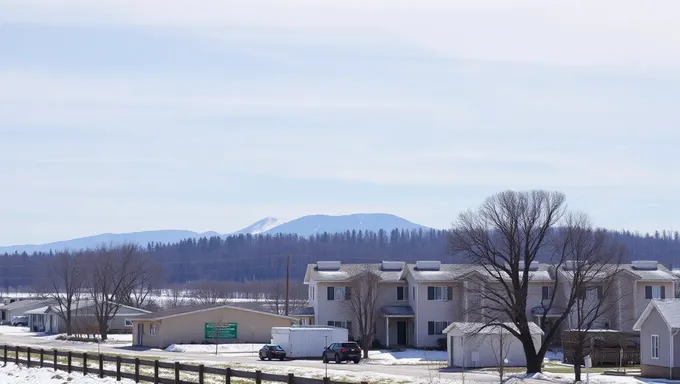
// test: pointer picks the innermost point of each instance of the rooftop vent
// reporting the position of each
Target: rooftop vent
(328, 265)
(532, 267)
(428, 265)
(393, 265)
(571, 265)
(645, 265)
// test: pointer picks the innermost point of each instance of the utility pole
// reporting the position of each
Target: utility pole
(287, 281)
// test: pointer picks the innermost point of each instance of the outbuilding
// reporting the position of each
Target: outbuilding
(659, 327)
(19, 308)
(50, 318)
(206, 324)
(475, 345)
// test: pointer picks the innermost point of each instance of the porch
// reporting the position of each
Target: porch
(399, 325)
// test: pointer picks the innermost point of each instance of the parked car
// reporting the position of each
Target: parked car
(340, 352)
(272, 352)
(19, 321)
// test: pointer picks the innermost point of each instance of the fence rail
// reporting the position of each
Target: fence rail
(129, 368)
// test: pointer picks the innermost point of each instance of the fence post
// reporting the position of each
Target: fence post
(101, 366)
(68, 361)
(258, 377)
(4, 348)
(326, 380)
(16, 355)
(201, 371)
(54, 364)
(228, 379)
(155, 372)
(177, 372)
(136, 369)
(84, 363)
(291, 378)
(28, 357)
(118, 368)
(42, 358)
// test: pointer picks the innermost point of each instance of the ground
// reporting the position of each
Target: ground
(409, 366)
(13, 374)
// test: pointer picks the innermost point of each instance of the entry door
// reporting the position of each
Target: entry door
(140, 334)
(401, 332)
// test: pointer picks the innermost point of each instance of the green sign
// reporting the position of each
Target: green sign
(221, 330)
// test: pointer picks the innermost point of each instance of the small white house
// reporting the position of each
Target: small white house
(474, 345)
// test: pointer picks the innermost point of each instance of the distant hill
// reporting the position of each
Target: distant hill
(372, 222)
(304, 226)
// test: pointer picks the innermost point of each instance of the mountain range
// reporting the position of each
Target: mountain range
(304, 226)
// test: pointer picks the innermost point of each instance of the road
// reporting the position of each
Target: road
(415, 372)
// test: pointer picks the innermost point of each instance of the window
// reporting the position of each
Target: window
(153, 329)
(440, 293)
(436, 327)
(341, 324)
(547, 293)
(128, 323)
(594, 293)
(400, 293)
(655, 346)
(339, 293)
(414, 293)
(655, 292)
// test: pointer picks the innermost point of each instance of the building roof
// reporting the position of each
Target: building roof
(660, 274)
(306, 311)
(477, 328)
(38, 311)
(22, 304)
(348, 271)
(397, 311)
(669, 309)
(180, 311)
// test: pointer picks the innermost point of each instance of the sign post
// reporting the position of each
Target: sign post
(588, 363)
(217, 331)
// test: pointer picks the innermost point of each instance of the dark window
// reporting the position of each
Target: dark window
(600, 293)
(331, 323)
(400, 293)
(663, 292)
(449, 293)
(430, 293)
(648, 292)
(331, 293)
(414, 293)
(430, 327)
(348, 293)
(546, 293)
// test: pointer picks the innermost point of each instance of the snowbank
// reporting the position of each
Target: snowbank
(568, 379)
(407, 357)
(14, 374)
(210, 348)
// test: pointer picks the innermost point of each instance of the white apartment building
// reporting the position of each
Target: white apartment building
(416, 302)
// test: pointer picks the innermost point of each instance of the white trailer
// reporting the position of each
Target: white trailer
(307, 341)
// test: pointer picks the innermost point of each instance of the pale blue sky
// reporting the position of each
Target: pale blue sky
(119, 116)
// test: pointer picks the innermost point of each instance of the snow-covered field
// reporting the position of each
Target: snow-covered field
(568, 379)
(208, 348)
(13, 374)
(409, 356)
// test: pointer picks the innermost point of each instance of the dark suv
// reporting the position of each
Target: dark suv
(272, 352)
(340, 352)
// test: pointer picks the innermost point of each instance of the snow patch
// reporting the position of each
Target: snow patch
(210, 348)
(407, 357)
(14, 374)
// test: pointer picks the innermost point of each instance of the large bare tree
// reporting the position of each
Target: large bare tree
(66, 274)
(113, 273)
(362, 302)
(504, 238)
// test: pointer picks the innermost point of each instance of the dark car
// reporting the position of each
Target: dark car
(272, 352)
(340, 352)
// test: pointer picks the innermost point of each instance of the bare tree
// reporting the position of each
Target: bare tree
(140, 295)
(176, 299)
(208, 292)
(504, 238)
(501, 349)
(113, 272)
(362, 300)
(275, 296)
(66, 276)
(593, 270)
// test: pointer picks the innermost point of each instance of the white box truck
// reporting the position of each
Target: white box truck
(307, 341)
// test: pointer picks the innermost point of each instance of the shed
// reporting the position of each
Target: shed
(659, 326)
(473, 345)
(49, 319)
(206, 324)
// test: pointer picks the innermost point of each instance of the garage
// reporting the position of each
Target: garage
(476, 345)
(206, 324)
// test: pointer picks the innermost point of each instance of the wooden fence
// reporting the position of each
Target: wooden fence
(50, 359)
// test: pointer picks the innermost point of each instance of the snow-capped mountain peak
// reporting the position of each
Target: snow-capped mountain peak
(263, 225)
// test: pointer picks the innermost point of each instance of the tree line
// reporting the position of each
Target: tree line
(263, 257)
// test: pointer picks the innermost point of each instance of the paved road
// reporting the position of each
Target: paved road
(421, 372)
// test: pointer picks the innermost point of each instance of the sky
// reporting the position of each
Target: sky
(121, 116)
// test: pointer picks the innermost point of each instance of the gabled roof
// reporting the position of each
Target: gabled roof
(463, 328)
(38, 311)
(23, 303)
(397, 311)
(306, 311)
(180, 311)
(660, 274)
(348, 271)
(669, 310)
